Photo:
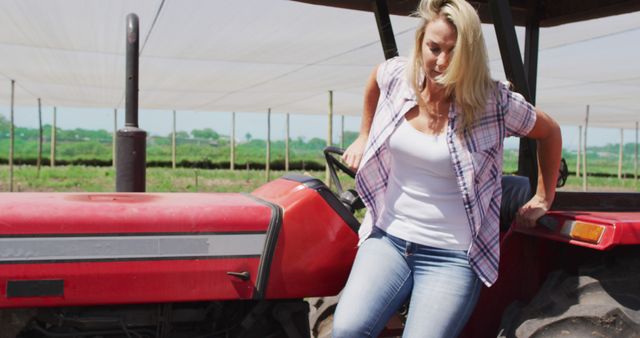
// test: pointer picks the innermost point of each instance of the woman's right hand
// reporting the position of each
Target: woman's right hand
(353, 155)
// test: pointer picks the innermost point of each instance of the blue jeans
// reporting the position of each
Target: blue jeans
(387, 271)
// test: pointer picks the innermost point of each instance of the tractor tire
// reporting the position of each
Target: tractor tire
(321, 318)
(602, 300)
(13, 321)
(321, 315)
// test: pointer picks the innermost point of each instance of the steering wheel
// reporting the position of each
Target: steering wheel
(564, 173)
(348, 197)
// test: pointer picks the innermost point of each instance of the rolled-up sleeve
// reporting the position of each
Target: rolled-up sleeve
(519, 115)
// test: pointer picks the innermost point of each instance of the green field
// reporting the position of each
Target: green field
(102, 179)
(205, 148)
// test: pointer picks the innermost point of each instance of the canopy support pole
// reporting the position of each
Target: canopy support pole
(39, 161)
(515, 71)
(329, 136)
(531, 48)
(584, 152)
(11, 136)
(286, 146)
(52, 161)
(635, 161)
(268, 160)
(579, 151)
(381, 11)
(173, 142)
(342, 132)
(232, 143)
(114, 147)
(621, 153)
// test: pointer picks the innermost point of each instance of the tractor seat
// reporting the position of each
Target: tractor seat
(515, 193)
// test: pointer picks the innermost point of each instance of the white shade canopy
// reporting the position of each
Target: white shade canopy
(250, 55)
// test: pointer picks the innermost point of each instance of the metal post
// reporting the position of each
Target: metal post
(232, 142)
(621, 153)
(528, 150)
(268, 160)
(508, 43)
(131, 157)
(635, 161)
(329, 136)
(286, 146)
(531, 46)
(39, 161)
(342, 132)
(114, 137)
(515, 71)
(52, 160)
(584, 152)
(173, 142)
(132, 69)
(579, 151)
(385, 30)
(11, 136)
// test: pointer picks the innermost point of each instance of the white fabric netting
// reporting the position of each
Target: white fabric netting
(221, 56)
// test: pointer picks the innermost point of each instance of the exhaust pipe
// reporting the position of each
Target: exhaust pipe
(131, 157)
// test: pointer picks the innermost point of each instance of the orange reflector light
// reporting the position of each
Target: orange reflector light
(582, 231)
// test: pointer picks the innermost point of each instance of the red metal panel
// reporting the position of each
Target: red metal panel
(524, 264)
(313, 256)
(137, 280)
(527, 256)
(114, 213)
(92, 283)
(315, 248)
(622, 228)
(625, 226)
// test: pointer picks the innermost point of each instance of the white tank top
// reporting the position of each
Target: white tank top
(423, 203)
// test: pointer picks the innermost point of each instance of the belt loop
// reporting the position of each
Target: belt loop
(409, 248)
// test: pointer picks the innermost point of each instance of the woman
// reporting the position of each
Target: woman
(429, 159)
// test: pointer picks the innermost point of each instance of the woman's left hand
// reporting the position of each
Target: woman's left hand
(549, 139)
(529, 213)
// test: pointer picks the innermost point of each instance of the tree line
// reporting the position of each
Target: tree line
(206, 148)
(197, 148)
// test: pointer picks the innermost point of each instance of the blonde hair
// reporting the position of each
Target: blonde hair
(467, 77)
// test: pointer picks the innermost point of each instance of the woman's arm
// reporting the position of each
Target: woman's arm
(549, 139)
(353, 155)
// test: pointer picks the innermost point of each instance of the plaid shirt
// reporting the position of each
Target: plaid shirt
(476, 159)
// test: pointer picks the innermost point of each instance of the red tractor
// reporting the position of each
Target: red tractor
(172, 265)
(241, 265)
